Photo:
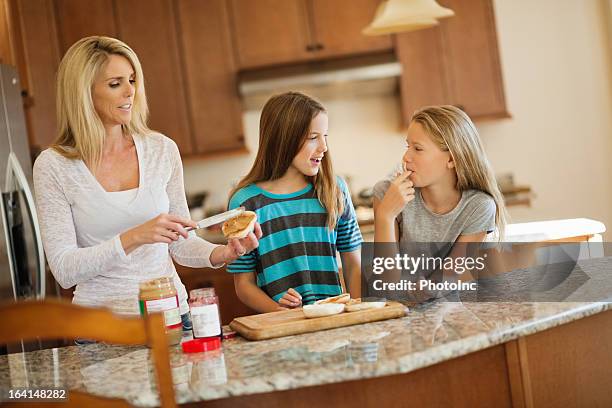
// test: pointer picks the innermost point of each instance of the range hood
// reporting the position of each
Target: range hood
(329, 80)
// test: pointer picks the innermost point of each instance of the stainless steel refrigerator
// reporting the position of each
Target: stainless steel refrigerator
(22, 262)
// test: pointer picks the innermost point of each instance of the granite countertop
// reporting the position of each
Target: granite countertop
(429, 334)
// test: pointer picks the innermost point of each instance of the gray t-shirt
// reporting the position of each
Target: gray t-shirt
(474, 213)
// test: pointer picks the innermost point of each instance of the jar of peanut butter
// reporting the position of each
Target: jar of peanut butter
(159, 295)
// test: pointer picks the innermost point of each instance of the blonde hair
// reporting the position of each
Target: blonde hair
(452, 130)
(284, 127)
(80, 130)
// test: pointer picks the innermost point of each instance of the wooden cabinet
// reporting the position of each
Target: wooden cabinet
(473, 58)
(191, 51)
(569, 365)
(6, 49)
(269, 32)
(210, 76)
(337, 26)
(76, 20)
(157, 48)
(184, 48)
(454, 63)
(423, 81)
(33, 25)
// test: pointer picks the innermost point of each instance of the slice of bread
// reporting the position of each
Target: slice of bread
(343, 298)
(240, 226)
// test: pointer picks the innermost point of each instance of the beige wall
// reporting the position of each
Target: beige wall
(556, 62)
(558, 77)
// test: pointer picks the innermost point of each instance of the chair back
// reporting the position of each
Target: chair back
(53, 319)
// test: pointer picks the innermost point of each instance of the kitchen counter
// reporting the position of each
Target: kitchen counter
(553, 230)
(431, 333)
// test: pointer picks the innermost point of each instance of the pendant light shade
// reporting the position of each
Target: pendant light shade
(394, 16)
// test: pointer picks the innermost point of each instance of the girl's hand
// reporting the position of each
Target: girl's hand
(164, 228)
(291, 299)
(400, 193)
(236, 248)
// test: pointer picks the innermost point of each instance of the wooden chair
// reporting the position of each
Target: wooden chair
(53, 319)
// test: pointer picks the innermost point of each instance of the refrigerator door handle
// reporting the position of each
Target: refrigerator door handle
(23, 184)
(7, 240)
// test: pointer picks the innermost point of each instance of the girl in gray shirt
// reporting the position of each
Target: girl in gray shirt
(447, 192)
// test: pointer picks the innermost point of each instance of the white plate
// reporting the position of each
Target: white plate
(326, 309)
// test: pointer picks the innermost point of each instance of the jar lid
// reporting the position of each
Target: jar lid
(201, 345)
(202, 292)
(157, 282)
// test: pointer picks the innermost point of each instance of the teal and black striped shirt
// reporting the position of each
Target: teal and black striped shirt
(296, 250)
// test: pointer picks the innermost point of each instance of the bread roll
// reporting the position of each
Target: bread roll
(240, 226)
(358, 306)
(327, 309)
(343, 298)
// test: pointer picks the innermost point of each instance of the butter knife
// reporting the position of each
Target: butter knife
(218, 219)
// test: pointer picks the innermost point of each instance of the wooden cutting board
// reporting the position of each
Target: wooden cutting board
(288, 322)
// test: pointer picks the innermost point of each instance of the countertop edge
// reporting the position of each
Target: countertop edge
(418, 360)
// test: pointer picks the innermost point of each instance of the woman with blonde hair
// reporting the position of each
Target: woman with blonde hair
(110, 191)
(305, 211)
(447, 192)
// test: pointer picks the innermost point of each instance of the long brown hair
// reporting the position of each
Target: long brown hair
(283, 128)
(452, 130)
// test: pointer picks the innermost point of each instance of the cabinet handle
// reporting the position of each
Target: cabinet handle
(318, 47)
(311, 47)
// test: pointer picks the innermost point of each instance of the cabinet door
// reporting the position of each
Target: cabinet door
(37, 26)
(77, 19)
(454, 63)
(6, 50)
(337, 26)
(270, 32)
(424, 79)
(210, 76)
(149, 28)
(473, 58)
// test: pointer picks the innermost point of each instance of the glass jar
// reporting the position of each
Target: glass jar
(208, 369)
(205, 316)
(159, 295)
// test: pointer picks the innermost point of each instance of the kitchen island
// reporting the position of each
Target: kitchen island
(452, 353)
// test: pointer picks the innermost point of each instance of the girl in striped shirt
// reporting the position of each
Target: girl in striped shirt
(305, 212)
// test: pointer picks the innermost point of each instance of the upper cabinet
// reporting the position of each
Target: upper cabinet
(454, 63)
(76, 20)
(337, 26)
(156, 47)
(184, 48)
(37, 66)
(192, 50)
(270, 32)
(473, 63)
(210, 76)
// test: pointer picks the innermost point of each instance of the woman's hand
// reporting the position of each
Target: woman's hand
(400, 193)
(291, 299)
(164, 228)
(235, 248)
